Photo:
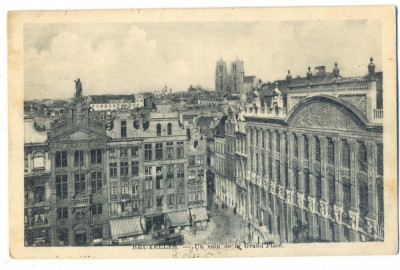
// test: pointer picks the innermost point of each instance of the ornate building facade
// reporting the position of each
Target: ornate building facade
(314, 170)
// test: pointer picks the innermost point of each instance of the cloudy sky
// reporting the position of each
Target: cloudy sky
(130, 58)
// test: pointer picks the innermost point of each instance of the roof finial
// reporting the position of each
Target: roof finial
(288, 77)
(371, 66)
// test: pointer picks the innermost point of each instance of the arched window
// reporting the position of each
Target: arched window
(195, 144)
(169, 129)
(345, 154)
(317, 149)
(158, 129)
(123, 129)
(295, 146)
(331, 152)
(362, 157)
(306, 153)
(38, 160)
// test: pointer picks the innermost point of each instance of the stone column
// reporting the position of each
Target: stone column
(372, 217)
(311, 198)
(273, 134)
(354, 212)
(338, 206)
(290, 186)
(324, 202)
(266, 155)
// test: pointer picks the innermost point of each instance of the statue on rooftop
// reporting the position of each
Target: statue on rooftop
(78, 87)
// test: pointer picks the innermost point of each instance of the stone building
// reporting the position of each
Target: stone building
(36, 185)
(78, 184)
(314, 171)
(156, 174)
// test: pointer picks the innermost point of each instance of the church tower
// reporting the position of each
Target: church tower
(220, 76)
(237, 71)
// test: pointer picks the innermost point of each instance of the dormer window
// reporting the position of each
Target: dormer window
(123, 129)
(158, 129)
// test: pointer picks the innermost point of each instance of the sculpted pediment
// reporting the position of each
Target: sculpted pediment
(322, 114)
(80, 135)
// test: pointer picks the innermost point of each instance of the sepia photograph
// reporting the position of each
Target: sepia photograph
(209, 133)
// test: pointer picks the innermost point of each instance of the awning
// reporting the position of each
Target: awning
(179, 218)
(198, 214)
(125, 227)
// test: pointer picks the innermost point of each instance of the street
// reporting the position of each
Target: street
(224, 227)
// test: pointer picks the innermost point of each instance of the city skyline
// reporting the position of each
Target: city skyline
(136, 57)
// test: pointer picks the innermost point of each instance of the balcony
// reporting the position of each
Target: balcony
(80, 202)
(378, 115)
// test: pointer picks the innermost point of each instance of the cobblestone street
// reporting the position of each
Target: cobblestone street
(224, 228)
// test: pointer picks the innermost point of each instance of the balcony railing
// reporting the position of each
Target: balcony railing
(378, 113)
(80, 201)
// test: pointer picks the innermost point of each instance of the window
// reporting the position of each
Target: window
(149, 202)
(317, 150)
(135, 151)
(113, 208)
(80, 185)
(179, 150)
(123, 152)
(123, 169)
(170, 176)
(181, 173)
(113, 191)
(113, 170)
(78, 158)
(95, 156)
(346, 195)
(362, 157)
(96, 182)
(39, 193)
(135, 187)
(159, 151)
(97, 209)
(158, 129)
(296, 179)
(199, 160)
(62, 212)
(191, 175)
(169, 129)
(270, 168)
(306, 181)
(295, 146)
(332, 188)
(62, 237)
(269, 141)
(61, 159)
(180, 198)
(380, 159)
(331, 152)
(135, 205)
(318, 187)
(98, 233)
(61, 186)
(200, 175)
(135, 168)
(148, 178)
(159, 178)
(306, 150)
(191, 160)
(195, 144)
(278, 142)
(278, 171)
(192, 195)
(345, 154)
(147, 151)
(363, 191)
(125, 191)
(264, 172)
(200, 195)
(170, 150)
(38, 160)
(171, 199)
(123, 129)
(263, 139)
(113, 152)
(159, 200)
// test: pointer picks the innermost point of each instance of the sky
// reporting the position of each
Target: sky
(135, 57)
